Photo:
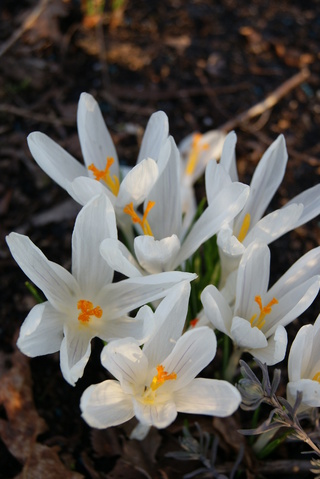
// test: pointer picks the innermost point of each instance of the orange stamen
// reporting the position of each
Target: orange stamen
(111, 181)
(161, 377)
(194, 153)
(87, 310)
(264, 310)
(143, 222)
(193, 322)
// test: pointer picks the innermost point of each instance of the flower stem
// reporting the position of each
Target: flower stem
(231, 369)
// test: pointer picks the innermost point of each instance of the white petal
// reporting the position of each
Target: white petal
(140, 432)
(216, 178)
(54, 160)
(132, 293)
(159, 414)
(137, 184)
(310, 199)
(96, 142)
(245, 336)
(228, 155)
(265, 181)
(252, 279)
(217, 309)
(226, 206)
(170, 318)
(156, 256)
(300, 353)
(126, 362)
(75, 352)
(208, 396)
(274, 225)
(230, 252)
(139, 328)
(193, 351)
(41, 332)
(275, 350)
(58, 284)
(292, 304)
(303, 269)
(95, 222)
(189, 207)
(105, 405)
(84, 189)
(119, 258)
(310, 391)
(165, 216)
(155, 135)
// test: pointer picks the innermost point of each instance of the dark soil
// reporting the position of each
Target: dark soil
(203, 63)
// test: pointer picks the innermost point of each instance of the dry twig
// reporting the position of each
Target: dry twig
(27, 24)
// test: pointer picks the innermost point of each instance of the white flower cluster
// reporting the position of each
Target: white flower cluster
(154, 362)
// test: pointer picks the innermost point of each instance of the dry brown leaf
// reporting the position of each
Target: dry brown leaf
(23, 425)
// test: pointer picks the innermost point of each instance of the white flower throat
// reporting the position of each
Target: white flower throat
(158, 380)
(259, 322)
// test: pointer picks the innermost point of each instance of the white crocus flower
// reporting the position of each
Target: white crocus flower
(250, 225)
(101, 172)
(164, 246)
(158, 381)
(84, 304)
(304, 366)
(256, 323)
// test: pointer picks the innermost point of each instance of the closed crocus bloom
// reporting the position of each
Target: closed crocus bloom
(158, 381)
(257, 321)
(101, 172)
(251, 224)
(84, 304)
(163, 244)
(304, 366)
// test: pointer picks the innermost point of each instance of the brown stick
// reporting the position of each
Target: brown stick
(14, 110)
(27, 24)
(269, 101)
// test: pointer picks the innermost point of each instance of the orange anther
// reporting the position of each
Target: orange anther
(264, 310)
(143, 222)
(161, 377)
(111, 181)
(88, 310)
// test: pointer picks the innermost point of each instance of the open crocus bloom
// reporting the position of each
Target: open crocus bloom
(250, 225)
(158, 381)
(84, 304)
(163, 244)
(256, 323)
(101, 172)
(304, 366)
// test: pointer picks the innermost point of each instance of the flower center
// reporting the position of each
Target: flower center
(316, 377)
(264, 310)
(195, 151)
(149, 394)
(87, 310)
(143, 222)
(244, 228)
(111, 181)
